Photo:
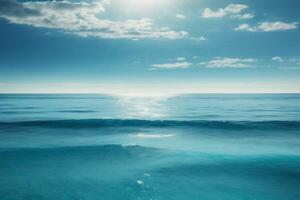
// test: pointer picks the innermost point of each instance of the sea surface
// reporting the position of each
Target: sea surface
(171, 147)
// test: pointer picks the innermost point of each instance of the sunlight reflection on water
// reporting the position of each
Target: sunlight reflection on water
(144, 106)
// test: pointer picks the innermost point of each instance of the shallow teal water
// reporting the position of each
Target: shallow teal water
(161, 147)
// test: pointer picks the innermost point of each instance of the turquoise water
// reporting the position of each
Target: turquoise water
(206, 147)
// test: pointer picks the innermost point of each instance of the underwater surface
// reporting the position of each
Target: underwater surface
(176, 147)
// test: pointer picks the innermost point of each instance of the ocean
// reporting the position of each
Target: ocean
(167, 147)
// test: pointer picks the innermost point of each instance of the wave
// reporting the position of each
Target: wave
(106, 147)
(116, 123)
(99, 152)
(142, 135)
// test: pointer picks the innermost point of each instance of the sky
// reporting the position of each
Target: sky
(159, 46)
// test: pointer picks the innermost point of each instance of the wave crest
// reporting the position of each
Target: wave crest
(99, 123)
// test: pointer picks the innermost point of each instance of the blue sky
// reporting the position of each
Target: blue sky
(150, 46)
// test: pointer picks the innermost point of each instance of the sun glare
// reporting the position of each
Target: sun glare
(144, 5)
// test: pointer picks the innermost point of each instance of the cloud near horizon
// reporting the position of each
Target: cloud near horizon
(228, 63)
(175, 65)
(83, 19)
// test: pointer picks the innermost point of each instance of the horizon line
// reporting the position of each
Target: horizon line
(138, 93)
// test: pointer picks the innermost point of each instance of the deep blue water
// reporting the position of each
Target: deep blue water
(186, 147)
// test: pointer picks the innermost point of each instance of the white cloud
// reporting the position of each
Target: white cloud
(208, 13)
(228, 10)
(245, 27)
(277, 58)
(268, 27)
(235, 8)
(228, 63)
(244, 16)
(180, 16)
(277, 26)
(182, 65)
(181, 58)
(83, 19)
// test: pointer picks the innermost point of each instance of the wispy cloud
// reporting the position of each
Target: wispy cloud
(232, 9)
(83, 19)
(243, 16)
(175, 65)
(198, 39)
(297, 60)
(181, 58)
(290, 68)
(245, 27)
(180, 16)
(228, 63)
(268, 27)
(201, 38)
(277, 58)
(287, 64)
